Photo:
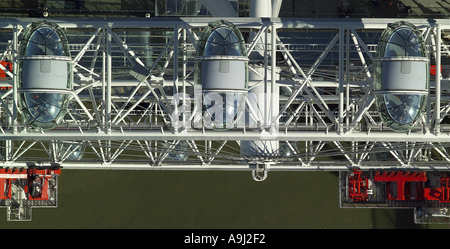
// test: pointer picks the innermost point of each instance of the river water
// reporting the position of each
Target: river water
(206, 199)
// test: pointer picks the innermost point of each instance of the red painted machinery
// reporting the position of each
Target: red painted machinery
(399, 186)
(7, 65)
(36, 182)
(358, 184)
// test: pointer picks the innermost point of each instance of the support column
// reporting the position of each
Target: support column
(266, 84)
(341, 78)
(108, 80)
(108, 90)
(184, 77)
(347, 86)
(15, 79)
(437, 108)
(103, 81)
(175, 73)
(274, 110)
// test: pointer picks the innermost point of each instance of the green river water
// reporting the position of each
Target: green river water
(205, 199)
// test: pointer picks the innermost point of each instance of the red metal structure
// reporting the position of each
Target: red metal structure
(7, 176)
(38, 178)
(433, 69)
(7, 65)
(358, 184)
(37, 182)
(441, 193)
(399, 186)
(401, 179)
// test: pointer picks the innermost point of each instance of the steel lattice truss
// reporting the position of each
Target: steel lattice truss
(127, 70)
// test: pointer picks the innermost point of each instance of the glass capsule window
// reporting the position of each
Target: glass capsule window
(221, 38)
(45, 41)
(77, 151)
(224, 90)
(43, 109)
(40, 107)
(226, 114)
(404, 42)
(179, 152)
(401, 39)
(44, 38)
(400, 111)
(223, 41)
(403, 108)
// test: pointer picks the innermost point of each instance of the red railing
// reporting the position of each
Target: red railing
(400, 186)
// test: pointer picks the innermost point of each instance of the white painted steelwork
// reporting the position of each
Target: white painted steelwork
(122, 105)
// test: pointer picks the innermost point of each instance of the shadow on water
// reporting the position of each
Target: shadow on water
(335, 173)
(398, 219)
(404, 219)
